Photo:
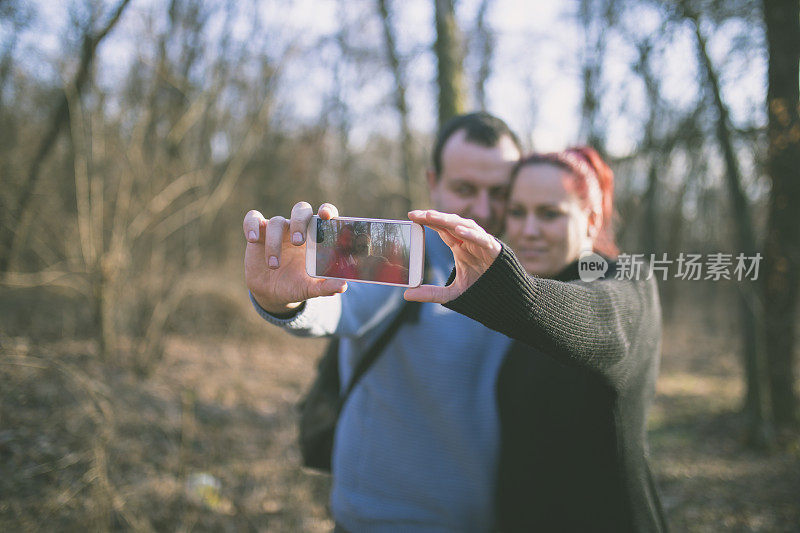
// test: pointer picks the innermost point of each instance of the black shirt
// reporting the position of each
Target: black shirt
(573, 394)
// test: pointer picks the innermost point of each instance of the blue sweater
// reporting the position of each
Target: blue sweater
(417, 443)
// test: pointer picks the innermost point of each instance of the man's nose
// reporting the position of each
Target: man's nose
(481, 209)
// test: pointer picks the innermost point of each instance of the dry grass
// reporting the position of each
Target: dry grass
(86, 445)
(709, 479)
(82, 445)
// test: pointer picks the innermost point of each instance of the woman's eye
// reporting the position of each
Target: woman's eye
(516, 212)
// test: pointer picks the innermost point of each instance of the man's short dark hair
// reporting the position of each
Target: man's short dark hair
(480, 128)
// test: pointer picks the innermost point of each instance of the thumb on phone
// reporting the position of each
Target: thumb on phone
(429, 293)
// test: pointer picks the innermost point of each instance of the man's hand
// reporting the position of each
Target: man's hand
(474, 251)
(275, 259)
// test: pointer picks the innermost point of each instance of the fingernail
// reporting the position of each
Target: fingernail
(297, 238)
(252, 236)
(414, 213)
(273, 261)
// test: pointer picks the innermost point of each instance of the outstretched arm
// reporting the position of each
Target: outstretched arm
(591, 324)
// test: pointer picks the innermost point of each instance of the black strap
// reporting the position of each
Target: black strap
(409, 310)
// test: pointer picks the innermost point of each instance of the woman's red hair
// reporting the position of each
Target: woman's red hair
(593, 181)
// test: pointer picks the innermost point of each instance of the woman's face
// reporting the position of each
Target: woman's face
(546, 225)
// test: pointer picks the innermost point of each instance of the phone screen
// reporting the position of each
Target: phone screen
(364, 250)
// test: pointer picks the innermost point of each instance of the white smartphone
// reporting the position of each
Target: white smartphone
(370, 250)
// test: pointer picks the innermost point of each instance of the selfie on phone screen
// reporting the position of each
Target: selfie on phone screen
(361, 250)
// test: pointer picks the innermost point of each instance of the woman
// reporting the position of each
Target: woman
(574, 388)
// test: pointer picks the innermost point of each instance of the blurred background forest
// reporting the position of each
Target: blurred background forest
(138, 390)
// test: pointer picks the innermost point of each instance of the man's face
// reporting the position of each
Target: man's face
(474, 180)
(345, 241)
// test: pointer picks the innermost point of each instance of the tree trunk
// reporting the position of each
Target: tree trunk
(782, 246)
(406, 146)
(674, 237)
(485, 49)
(450, 58)
(650, 235)
(593, 128)
(757, 400)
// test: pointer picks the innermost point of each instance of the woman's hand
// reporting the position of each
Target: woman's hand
(474, 251)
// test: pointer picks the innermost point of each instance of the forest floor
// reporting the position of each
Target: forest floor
(207, 442)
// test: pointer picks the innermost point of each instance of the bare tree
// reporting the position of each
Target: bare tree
(60, 116)
(756, 403)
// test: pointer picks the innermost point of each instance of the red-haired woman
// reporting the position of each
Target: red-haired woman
(574, 389)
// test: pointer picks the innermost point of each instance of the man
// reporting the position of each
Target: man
(417, 442)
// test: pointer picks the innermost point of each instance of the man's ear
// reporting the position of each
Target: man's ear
(433, 182)
(432, 178)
